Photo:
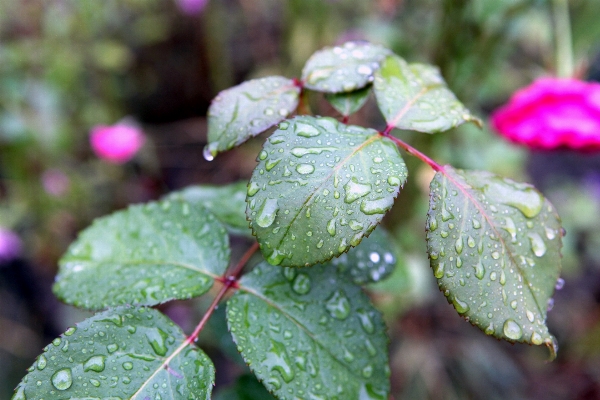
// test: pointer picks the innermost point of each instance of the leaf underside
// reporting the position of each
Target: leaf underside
(349, 103)
(319, 187)
(343, 68)
(245, 110)
(415, 97)
(145, 255)
(494, 246)
(120, 353)
(226, 202)
(310, 334)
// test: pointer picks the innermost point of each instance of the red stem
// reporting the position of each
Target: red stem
(411, 150)
(229, 281)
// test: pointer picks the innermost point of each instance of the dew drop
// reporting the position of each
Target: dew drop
(433, 224)
(338, 305)
(470, 241)
(438, 270)
(156, 337)
(70, 331)
(267, 213)
(95, 363)
(365, 321)
(459, 245)
(305, 169)
(62, 379)
(536, 338)
(111, 348)
(95, 382)
(460, 306)
(355, 190)
(550, 233)
(393, 181)
(207, 153)
(529, 315)
(513, 304)
(301, 284)
(378, 206)
(512, 330)
(263, 155)
(41, 362)
(306, 130)
(550, 304)
(560, 283)
(476, 223)
(331, 227)
(128, 366)
(479, 270)
(276, 257)
(537, 244)
(511, 228)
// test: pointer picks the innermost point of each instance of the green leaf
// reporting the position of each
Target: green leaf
(349, 103)
(227, 203)
(494, 246)
(372, 261)
(310, 334)
(147, 255)
(415, 97)
(319, 187)
(245, 110)
(127, 353)
(343, 68)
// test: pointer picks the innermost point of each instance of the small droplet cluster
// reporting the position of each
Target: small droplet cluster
(494, 248)
(309, 334)
(319, 188)
(343, 68)
(119, 352)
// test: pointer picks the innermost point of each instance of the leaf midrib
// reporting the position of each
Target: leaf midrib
(300, 326)
(489, 220)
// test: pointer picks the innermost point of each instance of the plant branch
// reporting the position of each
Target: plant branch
(411, 150)
(229, 281)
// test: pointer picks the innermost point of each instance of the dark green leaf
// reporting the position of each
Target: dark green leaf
(320, 186)
(310, 334)
(127, 353)
(372, 261)
(349, 103)
(343, 68)
(227, 203)
(415, 97)
(146, 255)
(494, 246)
(244, 111)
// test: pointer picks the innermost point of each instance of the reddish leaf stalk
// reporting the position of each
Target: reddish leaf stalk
(229, 281)
(411, 150)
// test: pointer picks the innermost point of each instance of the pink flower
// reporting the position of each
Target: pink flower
(10, 245)
(191, 7)
(552, 113)
(117, 143)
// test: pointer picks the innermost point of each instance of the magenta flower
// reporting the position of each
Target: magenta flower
(552, 113)
(191, 7)
(10, 245)
(117, 143)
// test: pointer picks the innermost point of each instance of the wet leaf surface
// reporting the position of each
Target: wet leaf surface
(310, 333)
(494, 246)
(248, 109)
(125, 352)
(226, 202)
(373, 260)
(319, 187)
(146, 255)
(415, 97)
(349, 103)
(343, 68)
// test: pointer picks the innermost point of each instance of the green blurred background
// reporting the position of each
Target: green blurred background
(67, 65)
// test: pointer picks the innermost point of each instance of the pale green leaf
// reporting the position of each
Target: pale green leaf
(349, 103)
(494, 246)
(373, 260)
(146, 255)
(415, 97)
(310, 333)
(320, 186)
(122, 353)
(227, 203)
(245, 110)
(343, 68)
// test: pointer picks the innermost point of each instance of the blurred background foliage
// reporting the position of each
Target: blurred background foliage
(67, 65)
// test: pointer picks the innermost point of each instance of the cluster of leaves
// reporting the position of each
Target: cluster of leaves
(320, 188)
